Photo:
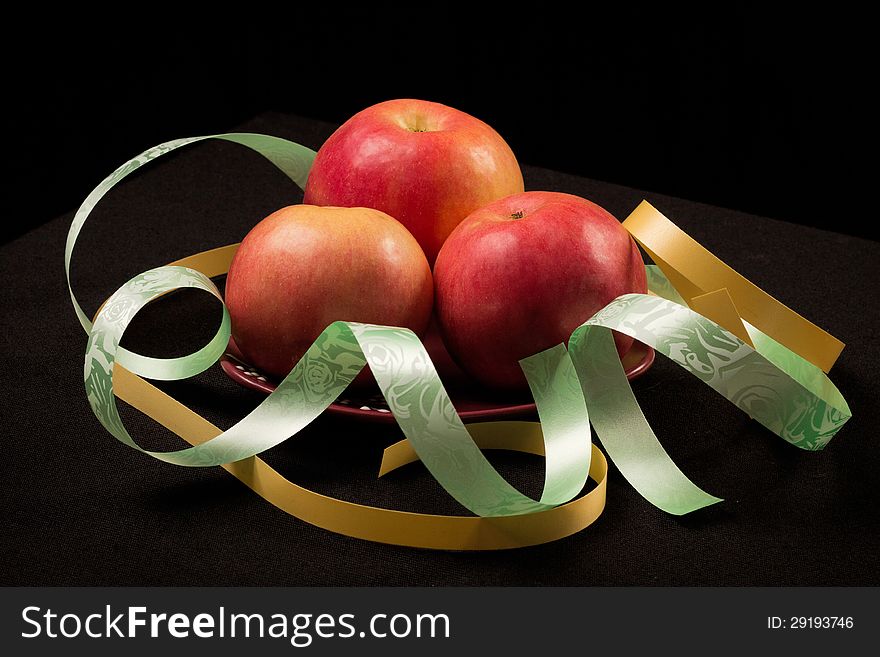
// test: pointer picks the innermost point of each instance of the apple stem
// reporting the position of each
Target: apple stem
(517, 215)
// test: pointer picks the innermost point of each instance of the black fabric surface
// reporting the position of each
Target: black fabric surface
(80, 508)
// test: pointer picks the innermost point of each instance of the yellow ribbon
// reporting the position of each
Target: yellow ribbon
(385, 525)
(707, 284)
(718, 292)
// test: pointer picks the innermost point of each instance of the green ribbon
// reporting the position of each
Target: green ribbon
(572, 387)
(294, 160)
(406, 377)
(798, 403)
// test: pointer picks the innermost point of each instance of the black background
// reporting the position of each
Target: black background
(742, 108)
(80, 508)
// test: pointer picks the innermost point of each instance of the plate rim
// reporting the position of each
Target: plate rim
(237, 374)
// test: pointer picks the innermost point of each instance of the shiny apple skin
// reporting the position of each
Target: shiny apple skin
(425, 164)
(304, 267)
(520, 274)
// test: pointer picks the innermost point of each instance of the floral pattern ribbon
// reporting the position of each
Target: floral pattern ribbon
(573, 386)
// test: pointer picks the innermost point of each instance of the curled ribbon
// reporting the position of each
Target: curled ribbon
(573, 386)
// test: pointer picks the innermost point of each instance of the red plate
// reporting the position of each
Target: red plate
(472, 401)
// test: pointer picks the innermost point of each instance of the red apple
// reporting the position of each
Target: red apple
(520, 274)
(427, 165)
(304, 267)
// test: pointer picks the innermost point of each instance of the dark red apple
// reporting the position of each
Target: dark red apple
(427, 165)
(304, 267)
(520, 274)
